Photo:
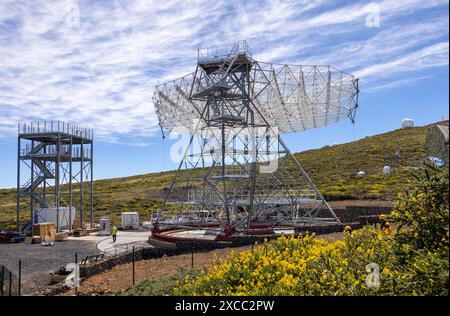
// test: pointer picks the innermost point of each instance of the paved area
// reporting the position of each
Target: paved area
(125, 240)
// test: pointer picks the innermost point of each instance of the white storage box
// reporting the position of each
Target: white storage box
(105, 226)
(43, 215)
(130, 220)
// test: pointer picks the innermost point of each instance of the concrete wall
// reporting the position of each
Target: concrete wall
(352, 213)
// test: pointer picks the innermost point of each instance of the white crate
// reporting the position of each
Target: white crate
(130, 220)
(44, 215)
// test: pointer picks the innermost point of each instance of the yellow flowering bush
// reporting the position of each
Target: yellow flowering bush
(369, 261)
(421, 246)
(421, 212)
(295, 266)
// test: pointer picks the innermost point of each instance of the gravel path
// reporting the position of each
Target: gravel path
(39, 261)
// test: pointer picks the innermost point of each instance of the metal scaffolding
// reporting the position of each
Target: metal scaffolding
(54, 170)
(236, 167)
(437, 142)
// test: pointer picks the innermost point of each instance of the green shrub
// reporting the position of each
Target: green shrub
(421, 212)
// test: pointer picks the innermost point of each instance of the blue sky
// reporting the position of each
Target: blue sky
(96, 63)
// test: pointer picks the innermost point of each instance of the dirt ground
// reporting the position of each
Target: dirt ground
(120, 277)
(38, 261)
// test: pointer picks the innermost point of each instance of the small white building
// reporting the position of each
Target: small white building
(50, 214)
(386, 170)
(407, 123)
(105, 226)
(130, 220)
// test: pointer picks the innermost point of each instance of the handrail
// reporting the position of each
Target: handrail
(54, 127)
(50, 150)
(240, 47)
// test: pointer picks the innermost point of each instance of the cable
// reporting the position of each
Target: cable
(353, 128)
(163, 155)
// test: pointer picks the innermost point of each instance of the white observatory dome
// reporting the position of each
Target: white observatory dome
(360, 174)
(386, 170)
(407, 123)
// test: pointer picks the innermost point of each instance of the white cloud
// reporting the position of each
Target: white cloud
(101, 74)
(394, 84)
(431, 56)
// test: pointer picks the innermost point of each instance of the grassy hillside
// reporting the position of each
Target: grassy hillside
(332, 168)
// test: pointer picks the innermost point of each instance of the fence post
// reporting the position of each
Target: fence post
(2, 280)
(134, 278)
(10, 283)
(192, 254)
(76, 262)
(20, 278)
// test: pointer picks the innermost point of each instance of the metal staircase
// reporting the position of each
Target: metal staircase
(49, 174)
(54, 168)
(45, 172)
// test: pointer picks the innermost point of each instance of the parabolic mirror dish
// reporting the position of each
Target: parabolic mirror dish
(290, 97)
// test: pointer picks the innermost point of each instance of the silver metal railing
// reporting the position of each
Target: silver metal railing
(50, 150)
(54, 126)
(240, 47)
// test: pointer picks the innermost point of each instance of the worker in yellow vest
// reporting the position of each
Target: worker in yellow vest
(114, 233)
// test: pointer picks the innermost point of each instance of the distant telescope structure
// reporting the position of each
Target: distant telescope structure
(360, 174)
(407, 123)
(437, 143)
(386, 170)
